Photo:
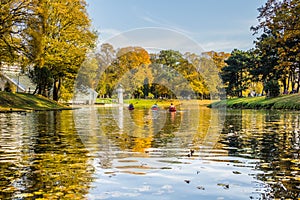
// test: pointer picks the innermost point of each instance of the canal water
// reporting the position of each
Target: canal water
(113, 153)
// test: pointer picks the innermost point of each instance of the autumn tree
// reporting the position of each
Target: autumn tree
(105, 57)
(195, 79)
(135, 61)
(164, 74)
(279, 44)
(129, 68)
(58, 38)
(183, 74)
(13, 17)
(164, 70)
(218, 58)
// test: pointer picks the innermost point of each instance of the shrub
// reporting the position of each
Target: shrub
(272, 88)
(8, 87)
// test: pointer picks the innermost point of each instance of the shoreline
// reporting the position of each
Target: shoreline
(22, 102)
(283, 102)
(31, 110)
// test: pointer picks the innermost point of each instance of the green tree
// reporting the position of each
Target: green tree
(165, 70)
(42, 77)
(280, 24)
(266, 60)
(272, 88)
(181, 71)
(236, 74)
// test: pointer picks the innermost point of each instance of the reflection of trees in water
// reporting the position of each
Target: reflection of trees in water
(10, 142)
(166, 135)
(53, 162)
(232, 126)
(272, 137)
(189, 128)
(143, 129)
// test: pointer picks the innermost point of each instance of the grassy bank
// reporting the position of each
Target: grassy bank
(291, 102)
(26, 102)
(148, 103)
(165, 103)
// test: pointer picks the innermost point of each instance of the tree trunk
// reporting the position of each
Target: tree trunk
(36, 89)
(55, 95)
(289, 80)
(284, 84)
(39, 89)
(56, 89)
(298, 87)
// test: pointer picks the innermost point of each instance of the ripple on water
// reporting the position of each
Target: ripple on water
(47, 155)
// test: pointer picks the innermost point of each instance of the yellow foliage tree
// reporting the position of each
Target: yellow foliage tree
(58, 38)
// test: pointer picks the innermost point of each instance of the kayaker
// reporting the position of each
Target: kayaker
(172, 108)
(154, 107)
(130, 107)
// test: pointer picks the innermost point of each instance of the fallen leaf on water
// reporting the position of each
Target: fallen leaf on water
(225, 186)
(166, 168)
(200, 188)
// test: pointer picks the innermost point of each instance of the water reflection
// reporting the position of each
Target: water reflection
(273, 138)
(41, 157)
(111, 153)
(142, 128)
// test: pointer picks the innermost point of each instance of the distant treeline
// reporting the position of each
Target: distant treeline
(165, 74)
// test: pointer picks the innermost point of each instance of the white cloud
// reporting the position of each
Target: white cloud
(227, 45)
(155, 38)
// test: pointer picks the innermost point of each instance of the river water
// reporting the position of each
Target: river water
(113, 153)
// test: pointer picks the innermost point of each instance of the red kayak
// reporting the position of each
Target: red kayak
(154, 107)
(172, 109)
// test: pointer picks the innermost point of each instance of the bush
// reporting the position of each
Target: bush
(272, 88)
(8, 87)
(150, 96)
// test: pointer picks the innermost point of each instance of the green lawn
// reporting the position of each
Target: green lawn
(148, 103)
(21, 101)
(291, 102)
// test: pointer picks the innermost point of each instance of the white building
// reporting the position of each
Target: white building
(85, 96)
(14, 76)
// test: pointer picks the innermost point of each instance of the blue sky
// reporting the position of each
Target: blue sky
(219, 25)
